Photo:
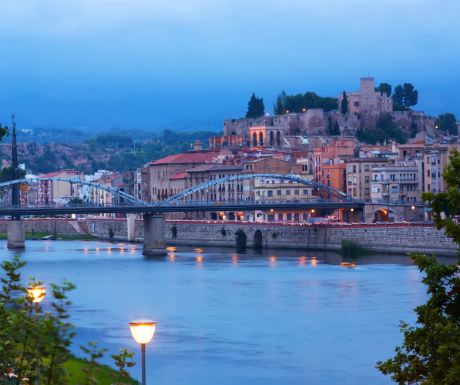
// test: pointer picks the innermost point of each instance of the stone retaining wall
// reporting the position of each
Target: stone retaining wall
(58, 226)
(385, 238)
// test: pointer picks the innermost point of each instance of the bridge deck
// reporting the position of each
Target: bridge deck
(179, 207)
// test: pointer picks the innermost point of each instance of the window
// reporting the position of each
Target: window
(356, 103)
(288, 192)
(278, 192)
(288, 216)
(427, 172)
(305, 192)
(394, 189)
(392, 177)
(280, 216)
(296, 192)
(270, 193)
(366, 167)
(296, 217)
(366, 179)
(349, 168)
(354, 180)
(271, 217)
(367, 190)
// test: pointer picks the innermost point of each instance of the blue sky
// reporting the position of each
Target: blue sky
(152, 64)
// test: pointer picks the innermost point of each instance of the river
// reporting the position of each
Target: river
(281, 317)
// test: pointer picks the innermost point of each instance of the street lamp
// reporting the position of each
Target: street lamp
(142, 331)
(37, 294)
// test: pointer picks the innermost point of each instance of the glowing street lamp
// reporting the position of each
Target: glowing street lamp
(37, 293)
(142, 331)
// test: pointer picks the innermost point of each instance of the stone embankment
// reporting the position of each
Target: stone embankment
(398, 238)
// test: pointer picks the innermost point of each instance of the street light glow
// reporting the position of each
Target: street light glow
(37, 293)
(142, 330)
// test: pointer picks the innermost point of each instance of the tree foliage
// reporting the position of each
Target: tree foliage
(344, 104)
(7, 174)
(404, 96)
(386, 130)
(302, 102)
(29, 336)
(384, 88)
(256, 107)
(430, 353)
(447, 123)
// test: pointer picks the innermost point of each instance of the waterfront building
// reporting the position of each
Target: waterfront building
(359, 174)
(57, 191)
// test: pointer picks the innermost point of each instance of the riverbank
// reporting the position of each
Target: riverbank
(394, 238)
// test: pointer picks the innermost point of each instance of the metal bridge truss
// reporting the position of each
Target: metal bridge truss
(112, 190)
(310, 183)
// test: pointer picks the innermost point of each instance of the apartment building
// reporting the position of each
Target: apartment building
(359, 175)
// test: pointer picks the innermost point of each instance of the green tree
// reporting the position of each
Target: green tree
(384, 88)
(3, 131)
(430, 353)
(398, 96)
(404, 96)
(447, 123)
(386, 130)
(7, 174)
(256, 107)
(410, 95)
(344, 104)
(279, 108)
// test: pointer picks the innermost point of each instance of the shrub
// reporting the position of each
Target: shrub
(349, 248)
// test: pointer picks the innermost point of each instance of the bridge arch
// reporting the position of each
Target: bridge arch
(112, 190)
(307, 182)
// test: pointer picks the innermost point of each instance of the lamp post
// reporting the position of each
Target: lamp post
(142, 331)
(37, 294)
(413, 209)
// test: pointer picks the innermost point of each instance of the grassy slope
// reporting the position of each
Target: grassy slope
(104, 377)
(41, 235)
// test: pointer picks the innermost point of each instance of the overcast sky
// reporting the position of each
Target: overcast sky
(192, 63)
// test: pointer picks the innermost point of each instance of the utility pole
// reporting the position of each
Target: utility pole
(14, 157)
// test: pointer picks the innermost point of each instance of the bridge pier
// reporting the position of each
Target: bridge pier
(154, 234)
(16, 234)
(131, 226)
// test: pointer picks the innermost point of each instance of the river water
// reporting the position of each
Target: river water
(279, 317)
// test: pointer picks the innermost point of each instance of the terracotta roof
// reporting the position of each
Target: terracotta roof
(179, 175)
(202, 167)
(51, 174)
(194, 157)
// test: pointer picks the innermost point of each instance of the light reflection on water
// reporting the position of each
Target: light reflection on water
(282, 317)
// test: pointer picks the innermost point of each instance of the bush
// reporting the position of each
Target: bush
(349, 248)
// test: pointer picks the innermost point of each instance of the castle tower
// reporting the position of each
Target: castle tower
(367, 85)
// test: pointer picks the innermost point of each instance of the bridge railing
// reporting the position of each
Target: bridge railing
(261, 202)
